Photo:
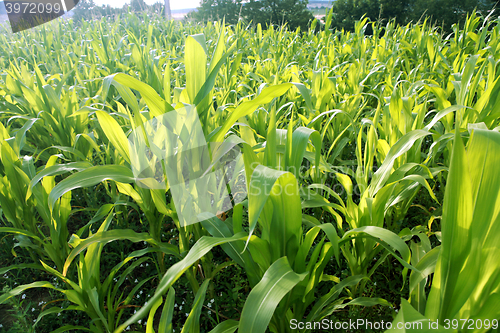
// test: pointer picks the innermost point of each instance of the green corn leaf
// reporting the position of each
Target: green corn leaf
(402, 146)
(20, 232)
(426, 265)
(94, 300)
(368, 301)
(470, 225)
(104, 237)
(210, 81)
(90, 177)
(282, 188)
(115, 134)
(228, 326)
(321, 308)
(300, 139)
(388, 237)
(410, 320)
(55, 170)
(165, 325)
(19, 140)
(54, 310)
(18, 290)
(217, 228)
(4, 270)
(195, 60)
(202, 246)
(157, 105)
(149, 326)
(262, 301)
(245, 108)
(67, 328)
(192, 324)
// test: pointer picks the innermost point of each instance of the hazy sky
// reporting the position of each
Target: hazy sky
(174, 4)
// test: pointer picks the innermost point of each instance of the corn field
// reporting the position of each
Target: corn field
(369, 187)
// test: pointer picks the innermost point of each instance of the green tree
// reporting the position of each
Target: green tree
(448, 12)
(441, 12)
(346, 12)
(85, 10)
(292, 12)
(214, 10)
(138, 5)
(395, 9)
(88, 10)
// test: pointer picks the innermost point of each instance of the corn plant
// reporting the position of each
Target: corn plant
(25, 201)
(104, 302)
(468, 220)
(342, 135)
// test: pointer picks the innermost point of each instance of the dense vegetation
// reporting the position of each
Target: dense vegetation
(443, 13)
(370, 166)
(89, 10)
(295, 13)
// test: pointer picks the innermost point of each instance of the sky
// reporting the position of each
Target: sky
(174, 4)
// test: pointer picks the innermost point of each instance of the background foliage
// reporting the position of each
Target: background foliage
(386, 145)
(442, 12)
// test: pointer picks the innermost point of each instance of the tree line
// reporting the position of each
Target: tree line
(295, 13)
(443, 13)
(87, 9)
